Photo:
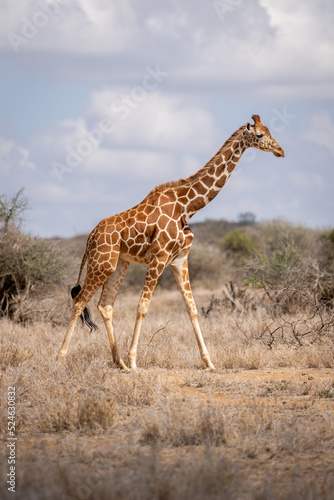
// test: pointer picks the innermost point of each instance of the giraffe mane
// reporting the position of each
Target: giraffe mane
(199, 173)
(171, 184)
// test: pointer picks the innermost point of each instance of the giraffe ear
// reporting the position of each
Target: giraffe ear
(248, 126)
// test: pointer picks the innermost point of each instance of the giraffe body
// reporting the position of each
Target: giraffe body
(155, 233)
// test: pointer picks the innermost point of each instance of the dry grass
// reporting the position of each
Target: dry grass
(261, 426)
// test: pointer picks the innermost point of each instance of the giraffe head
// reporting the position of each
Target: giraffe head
(259, 137)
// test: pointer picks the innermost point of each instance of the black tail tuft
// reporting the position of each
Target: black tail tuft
(75, 290)
(87, 319)
(85, 316)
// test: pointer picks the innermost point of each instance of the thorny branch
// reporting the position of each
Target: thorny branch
(154, 334)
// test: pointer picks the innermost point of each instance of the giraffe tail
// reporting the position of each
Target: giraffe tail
(85, 316)
(84, 258)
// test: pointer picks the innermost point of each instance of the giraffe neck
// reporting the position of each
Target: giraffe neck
(203, 186)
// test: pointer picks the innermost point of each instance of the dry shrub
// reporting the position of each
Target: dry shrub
(13, 355)
(270, 319)
(207, 264)
(167, 351)
(27, 265)
(85, 414)
(295, 269)
(140, 475)
(256, 429)
(176, 426)
(146, 475)
(138, 389)
(295, 330)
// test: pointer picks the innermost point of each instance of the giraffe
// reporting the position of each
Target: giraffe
(155, 232)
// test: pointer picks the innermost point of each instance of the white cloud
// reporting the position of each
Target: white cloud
(6, 147)
(260, 43)
(79, 149)
(124, 164)
(158, 121)
(79, 27)
(24, 161)
(14, 158)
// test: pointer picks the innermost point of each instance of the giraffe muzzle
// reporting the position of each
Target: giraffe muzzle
(279, 152)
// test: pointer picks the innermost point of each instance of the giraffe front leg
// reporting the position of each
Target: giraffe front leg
(153, 273)
(106, 304)
(180, 269)
(106, 313)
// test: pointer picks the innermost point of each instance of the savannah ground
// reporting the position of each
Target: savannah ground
(260, 427)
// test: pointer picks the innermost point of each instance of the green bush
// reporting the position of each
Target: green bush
(277, 269)
(291, 277)
(237, 242)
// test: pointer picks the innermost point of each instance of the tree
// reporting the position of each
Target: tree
(246, 219)
(12, 209)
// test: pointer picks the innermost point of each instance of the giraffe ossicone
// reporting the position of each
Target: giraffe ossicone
(155, 233)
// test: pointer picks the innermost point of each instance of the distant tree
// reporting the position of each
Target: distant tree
(246, 219)
(12, 209)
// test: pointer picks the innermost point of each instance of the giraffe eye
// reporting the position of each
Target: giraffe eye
(259, 136)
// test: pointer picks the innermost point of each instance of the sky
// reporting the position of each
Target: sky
(101, 100)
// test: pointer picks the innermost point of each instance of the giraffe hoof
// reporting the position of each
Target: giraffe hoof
(209, 366)
(124, 369)
(61, 354)
(132, 363)
(121, 365)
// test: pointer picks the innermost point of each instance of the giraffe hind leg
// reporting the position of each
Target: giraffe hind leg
(79, 304)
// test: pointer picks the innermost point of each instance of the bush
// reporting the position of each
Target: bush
(207, 265)
(289, 277)
(276, 269)
(237, 242)
(326, 250)
(26, 264)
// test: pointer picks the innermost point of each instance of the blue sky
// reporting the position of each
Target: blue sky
(102, 100)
